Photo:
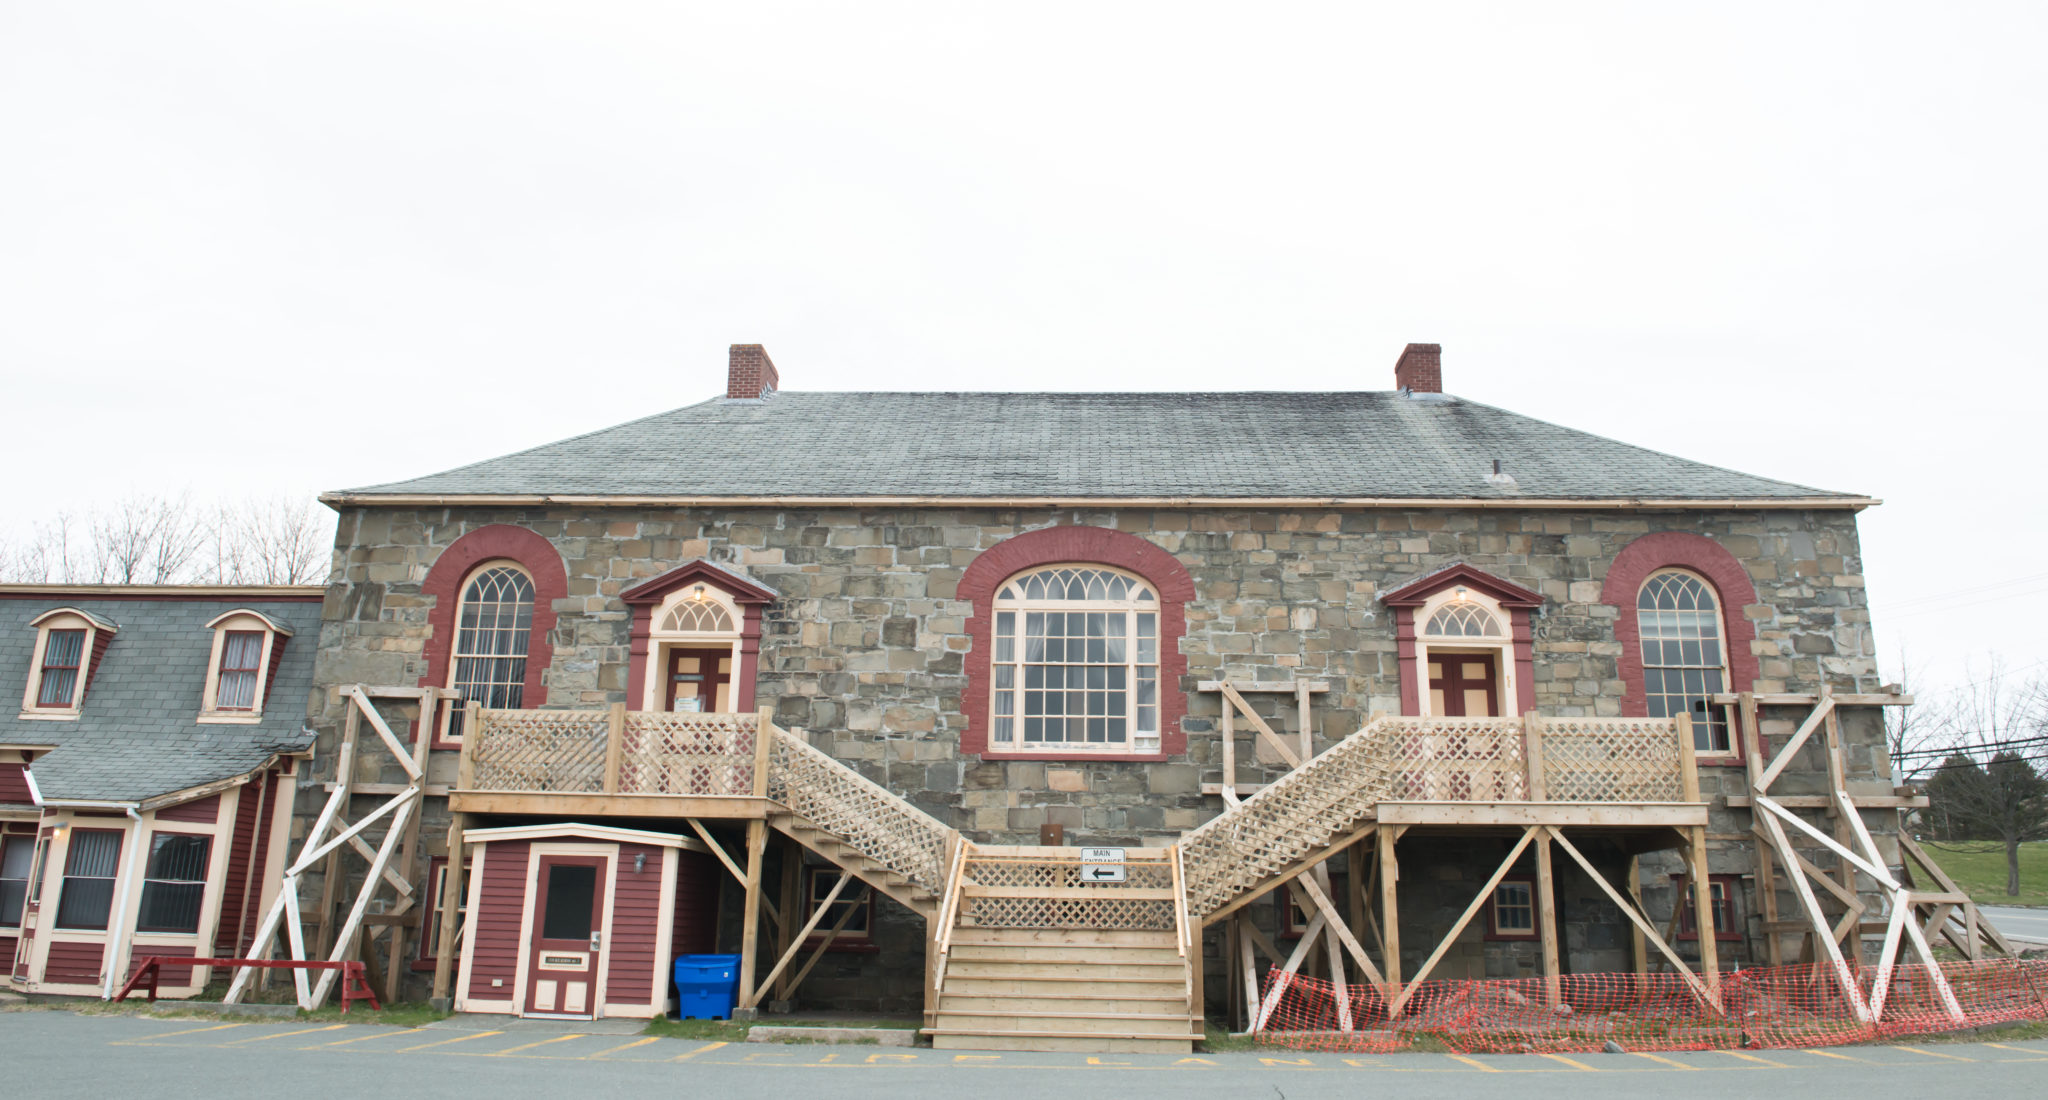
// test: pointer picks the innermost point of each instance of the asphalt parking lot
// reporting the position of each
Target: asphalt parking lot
(52, 1053)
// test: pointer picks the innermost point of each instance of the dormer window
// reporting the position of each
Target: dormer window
(69, 643)
(246, 646)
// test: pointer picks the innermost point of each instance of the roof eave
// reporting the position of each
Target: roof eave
(341, 500)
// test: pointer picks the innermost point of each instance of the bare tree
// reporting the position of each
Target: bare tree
(1983, 764)
(150, 539)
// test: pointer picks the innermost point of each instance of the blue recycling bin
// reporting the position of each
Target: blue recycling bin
(707, 986)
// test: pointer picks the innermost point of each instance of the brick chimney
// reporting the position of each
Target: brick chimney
(752, 373)
(1420, 368)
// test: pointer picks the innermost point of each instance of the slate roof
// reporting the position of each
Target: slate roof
(138, 736)
(1093, 445)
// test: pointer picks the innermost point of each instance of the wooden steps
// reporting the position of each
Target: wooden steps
(857, 863)
(1064, 990)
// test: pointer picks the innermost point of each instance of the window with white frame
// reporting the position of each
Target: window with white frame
(17, 856)
(174, 884)
(246, 645)
(89, 869)
(493, 627)
(1685, 658)
(67, 642)
(1075, 662)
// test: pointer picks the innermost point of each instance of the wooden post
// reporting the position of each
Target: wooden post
(750, 909)
(614, 747)
(1308, 740)
(465, 764)
(1688, 759)
(1703, 914)
(344, 785)
(409, 860)
(1390, 915)
(1546, 917)
(1639, 949)
(450, 898)
(1532, 750)
(1229, 755)
(764, 740)
(1766, 859)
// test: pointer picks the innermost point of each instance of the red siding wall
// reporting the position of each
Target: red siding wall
(204, 811)
(6, 954)
(241, 843)
(502, 867)
(168, 974)
(696, 921)
(74, 963)
(14, 786)
(635, 924)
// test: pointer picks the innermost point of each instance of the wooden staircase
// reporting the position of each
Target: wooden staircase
(1065, 989)
(917, 898)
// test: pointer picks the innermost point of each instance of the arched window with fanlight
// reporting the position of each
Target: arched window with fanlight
(1075, 662)
(1685, 654)
(493, 631)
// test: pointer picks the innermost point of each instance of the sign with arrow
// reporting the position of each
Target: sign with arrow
(1102, 865)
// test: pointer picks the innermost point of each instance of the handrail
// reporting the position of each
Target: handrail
(949, 908)
(878, 822)
(1183, 938)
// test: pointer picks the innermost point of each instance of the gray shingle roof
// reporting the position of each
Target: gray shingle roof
(1094, 445)
(138, 735)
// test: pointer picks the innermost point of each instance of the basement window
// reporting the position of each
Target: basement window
(1512, 915)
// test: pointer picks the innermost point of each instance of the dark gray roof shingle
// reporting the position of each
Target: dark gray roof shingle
(138, 734)
(1094, 445)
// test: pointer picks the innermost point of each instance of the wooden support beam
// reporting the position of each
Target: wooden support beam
(797, 941)
(1642, 924)
(1784, 758)
(1703, 915)
(1228, 788)
(1389, 869)
(750, 910)
(1316, 896)
(1852, 991)
(1807, 699)
(1395, 1004)
(704, 835)
(1292, 687)
(614, 746)
(1266, 734)
(450, 896)
(1532, 752)
(1276, 982)
(1824, 801)
(1546, 918)
(831, 934)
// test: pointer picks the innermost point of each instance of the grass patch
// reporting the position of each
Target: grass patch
(710, 1030)
(1980, 870)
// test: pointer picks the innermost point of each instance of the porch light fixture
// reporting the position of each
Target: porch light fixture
(639, 862)
(700, 593)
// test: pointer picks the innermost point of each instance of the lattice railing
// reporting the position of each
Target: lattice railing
(556, 751)
(692, 754)
(1456, 759)
(1612, 760)
(1302, 812)
(1002, 888)
(864, 814)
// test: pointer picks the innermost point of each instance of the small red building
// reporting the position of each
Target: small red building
(574, 921)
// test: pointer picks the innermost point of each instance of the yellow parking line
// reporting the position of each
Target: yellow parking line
(445, 1042)
(2022, 1050)
(1673, 1063)
(530, 1046)
(1832, 1054)
(700, 1050)
(357, 1039)
(628, 1046)
(1933, 1053)
(1569, 1062)
(1473, 1062)
(1757, 1060)
(283, 1035)
(197, 1030)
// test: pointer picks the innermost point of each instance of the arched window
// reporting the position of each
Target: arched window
(1075, 662)
(696, 617)
(1463, 619)
(493, 629)
(1685, 655)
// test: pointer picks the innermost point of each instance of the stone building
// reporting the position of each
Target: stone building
(1014, 611)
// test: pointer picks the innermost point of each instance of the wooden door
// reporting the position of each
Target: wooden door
(568, 937)
(1464, 685)
(700, 679)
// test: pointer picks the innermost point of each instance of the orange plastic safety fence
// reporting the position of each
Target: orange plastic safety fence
(1786, 1006)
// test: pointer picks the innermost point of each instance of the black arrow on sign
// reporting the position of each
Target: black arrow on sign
(1102, 872)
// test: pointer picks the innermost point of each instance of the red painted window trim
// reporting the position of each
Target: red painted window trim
(142, 884)
(1688, 923)
(444, 584)
(424, 957)
(1516, 600)
(1535, 931)
(1732, 586)
(1095, 546)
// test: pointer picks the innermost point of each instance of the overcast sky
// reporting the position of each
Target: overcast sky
(288, 246)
